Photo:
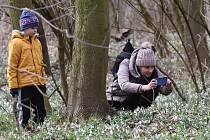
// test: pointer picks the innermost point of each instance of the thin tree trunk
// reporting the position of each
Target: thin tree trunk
(65, 44)
(15, 14)
(198, 38)
(160, 43)
(61, 55)
(161, 24)
(89, 64)
(42, 39)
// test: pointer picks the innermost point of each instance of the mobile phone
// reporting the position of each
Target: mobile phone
(161, 81)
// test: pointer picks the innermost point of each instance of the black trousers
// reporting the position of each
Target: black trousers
(29, 99)
(117, 105)
(132, 102)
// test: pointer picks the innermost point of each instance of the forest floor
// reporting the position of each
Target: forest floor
(168, 118)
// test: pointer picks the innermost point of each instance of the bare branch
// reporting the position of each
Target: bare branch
(65, 31)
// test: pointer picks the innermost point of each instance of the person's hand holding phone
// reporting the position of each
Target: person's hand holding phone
(169, 85)
(150, 86)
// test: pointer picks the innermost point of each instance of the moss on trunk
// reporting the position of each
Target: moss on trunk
(89, 65)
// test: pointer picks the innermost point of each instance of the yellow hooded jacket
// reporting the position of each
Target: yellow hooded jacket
(25, 62)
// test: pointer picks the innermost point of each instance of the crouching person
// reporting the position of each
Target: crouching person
(25, 70)
(137, 81)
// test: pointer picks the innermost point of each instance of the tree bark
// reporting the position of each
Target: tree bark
(42, 39)
(89, 64)
(156, 27)
(65, 45)
(15, 14)
(198, 37)
(61, 55)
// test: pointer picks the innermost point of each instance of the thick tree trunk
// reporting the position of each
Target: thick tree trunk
(14, 15)
(89, 65)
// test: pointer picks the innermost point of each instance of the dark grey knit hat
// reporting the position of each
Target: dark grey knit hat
(145, 57)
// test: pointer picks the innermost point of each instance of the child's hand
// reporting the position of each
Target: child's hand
(14, 92)
(150, 86)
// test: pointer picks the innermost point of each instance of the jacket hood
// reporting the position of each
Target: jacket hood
(132, 64)
(20, 34)
(17, 34)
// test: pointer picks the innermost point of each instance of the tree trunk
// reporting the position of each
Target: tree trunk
(89, 64)
(14, 15)
(162, 26)
(43, 41)
(198, 36)
(61, 55)
(65, 44)
(156, 27)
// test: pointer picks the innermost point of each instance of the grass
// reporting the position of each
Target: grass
(169, 118)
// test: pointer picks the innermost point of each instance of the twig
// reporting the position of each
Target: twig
(50, 6)
(65, 31)
(194, 44)
(4, 108)
(37, 75)
(174, 83)
(53, 92)
(57, 88)
(191, 71)
(15, 111)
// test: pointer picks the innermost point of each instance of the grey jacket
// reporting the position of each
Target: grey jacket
(128, 67)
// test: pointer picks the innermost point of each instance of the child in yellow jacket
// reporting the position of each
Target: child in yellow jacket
(25, 69)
